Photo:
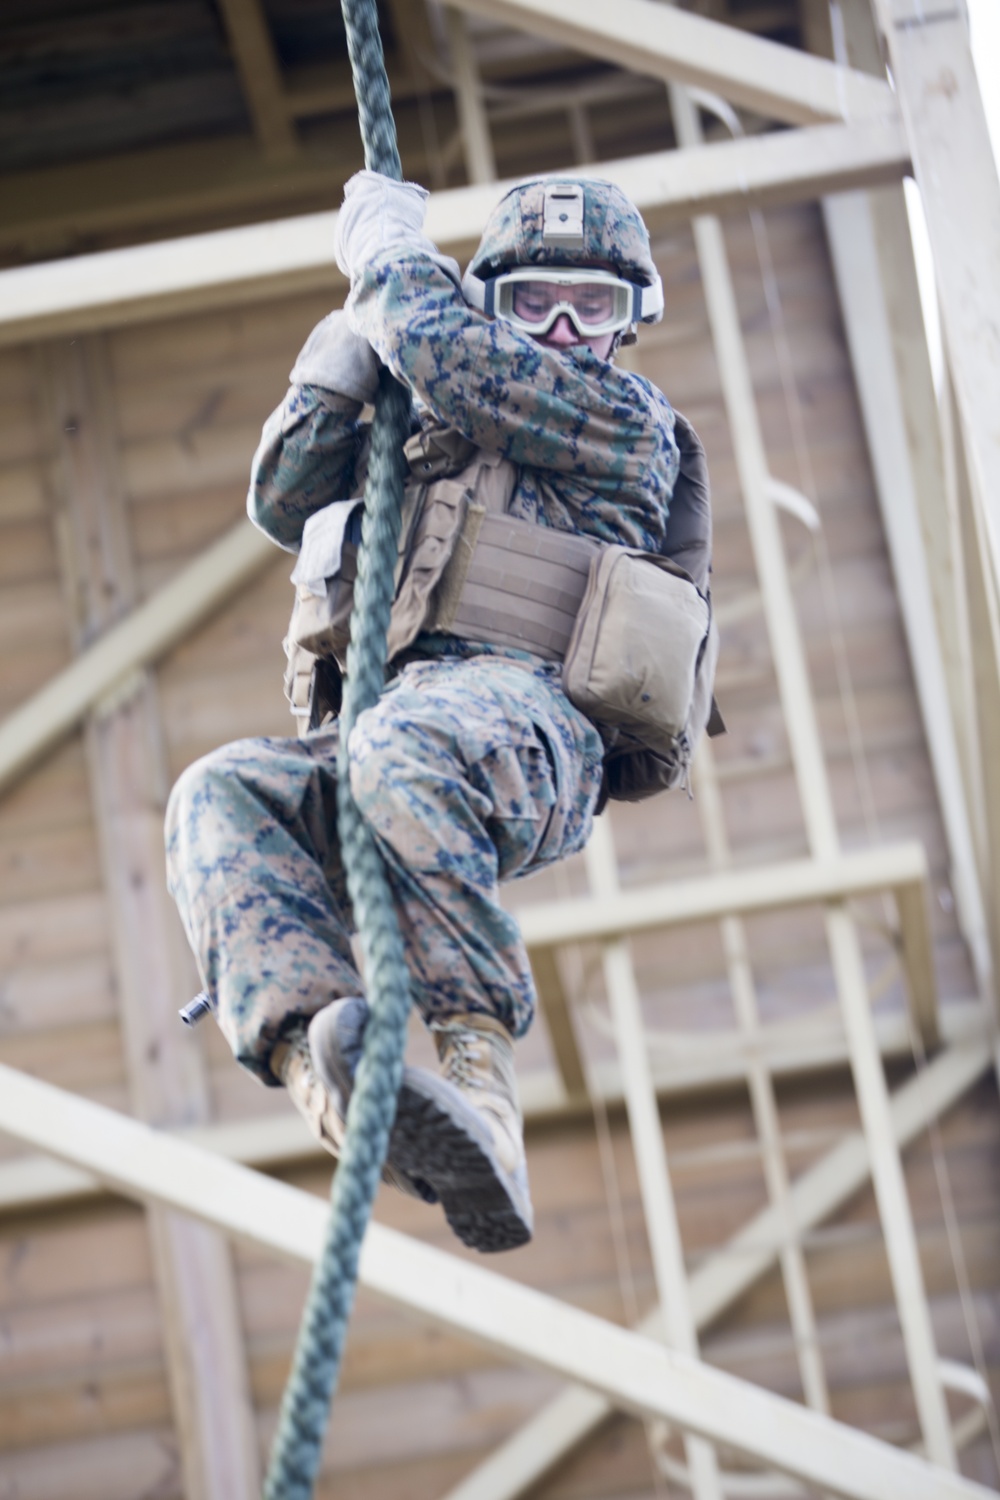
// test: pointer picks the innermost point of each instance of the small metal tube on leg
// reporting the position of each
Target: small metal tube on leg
(202, 1005)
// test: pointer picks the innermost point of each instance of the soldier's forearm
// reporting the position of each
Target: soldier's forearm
(576, 416)
(305, 460)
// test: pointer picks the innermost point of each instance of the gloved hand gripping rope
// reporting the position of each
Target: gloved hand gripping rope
(305, 1408)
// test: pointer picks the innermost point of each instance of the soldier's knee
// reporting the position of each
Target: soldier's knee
(395, 785)
(213, 770)
(376, 775)
(202, 794)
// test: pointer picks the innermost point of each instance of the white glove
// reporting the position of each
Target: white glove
(380, 213)
(336, 358)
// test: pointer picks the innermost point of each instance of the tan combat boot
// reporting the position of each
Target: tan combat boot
(462, 1133)
(457, 1136)
(321, 1103)
(320, 1107)
(477, 1056)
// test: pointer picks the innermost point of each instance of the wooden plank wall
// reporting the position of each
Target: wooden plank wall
(85, 1408)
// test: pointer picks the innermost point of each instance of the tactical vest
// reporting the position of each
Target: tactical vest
(634, 634)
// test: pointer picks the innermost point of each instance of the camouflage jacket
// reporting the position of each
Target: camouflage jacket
(595, 445)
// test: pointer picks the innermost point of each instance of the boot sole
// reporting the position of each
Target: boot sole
(437, 1137)
(440, 1144)
(329, 1057)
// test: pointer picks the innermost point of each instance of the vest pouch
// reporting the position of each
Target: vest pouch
(633, 658)
(433, 538)
(321, 624)
(433, 518)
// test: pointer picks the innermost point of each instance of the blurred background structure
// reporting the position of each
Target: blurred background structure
(762, 1091)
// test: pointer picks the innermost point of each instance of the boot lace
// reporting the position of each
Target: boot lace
(462, 1054)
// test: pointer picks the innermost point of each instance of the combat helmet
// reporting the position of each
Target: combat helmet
(572, 222)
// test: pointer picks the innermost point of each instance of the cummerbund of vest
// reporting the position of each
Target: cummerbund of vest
(524, 586)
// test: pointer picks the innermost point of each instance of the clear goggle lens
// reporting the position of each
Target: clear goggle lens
(595, 303)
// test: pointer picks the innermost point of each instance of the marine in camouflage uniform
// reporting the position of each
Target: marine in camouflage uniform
(474, 768)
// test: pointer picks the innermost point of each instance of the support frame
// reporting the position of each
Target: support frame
(641, 1376)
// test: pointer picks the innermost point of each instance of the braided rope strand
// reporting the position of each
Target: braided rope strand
(298, 1442)
(371, 87)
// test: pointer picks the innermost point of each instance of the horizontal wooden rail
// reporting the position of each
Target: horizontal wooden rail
(734, 893)
(634, 1372)
(779, 82)
(233, 266)
(899, 868)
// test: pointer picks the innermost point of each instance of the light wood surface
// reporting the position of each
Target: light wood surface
(264, 260)
(203, 1347)
(82, 1388)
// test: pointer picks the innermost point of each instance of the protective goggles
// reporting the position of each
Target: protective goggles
(533, 297)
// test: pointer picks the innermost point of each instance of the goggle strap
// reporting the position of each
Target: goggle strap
(649, 302)
(480, 294)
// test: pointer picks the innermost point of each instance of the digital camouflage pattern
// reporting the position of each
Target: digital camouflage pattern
(473, 768)
(470, 772)
(613, 231)
(595, 444)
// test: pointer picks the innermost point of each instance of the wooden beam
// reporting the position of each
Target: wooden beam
(682, 47)
(743, 892)
(696, 1064)
(525, 1459)
(938, 89)
(876, 279)
(818, 811)
(260, 261)
(206, 1365)
(646, 1130)
(634, 1372)
(897, 443)
(760, 1088)
(559, 1023)
(260, 76)
(137, 641)
(480, 161)
(983, 601)
(917, 952)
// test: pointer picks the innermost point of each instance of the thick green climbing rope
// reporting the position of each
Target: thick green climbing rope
(298, 1442)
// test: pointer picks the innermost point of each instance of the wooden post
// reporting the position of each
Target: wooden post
(260, 76)
(658, 1202)
(983, 604)
(480, 162)
(760, 1086)
(206, 1364)
(818, 812)
(873, 262)
(938, 93)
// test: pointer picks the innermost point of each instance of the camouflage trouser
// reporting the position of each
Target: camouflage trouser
(469, 772)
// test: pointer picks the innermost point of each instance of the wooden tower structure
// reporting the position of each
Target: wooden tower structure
(762, 1094)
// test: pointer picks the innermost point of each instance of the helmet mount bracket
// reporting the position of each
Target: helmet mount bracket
(562, 216)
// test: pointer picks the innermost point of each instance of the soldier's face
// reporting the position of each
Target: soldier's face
(562, 335)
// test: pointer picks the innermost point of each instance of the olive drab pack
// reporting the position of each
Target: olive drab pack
(633, 630)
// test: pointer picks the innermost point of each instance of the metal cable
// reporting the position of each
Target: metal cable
(305, 1408)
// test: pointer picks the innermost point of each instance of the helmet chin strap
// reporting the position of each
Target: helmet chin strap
(623, 338)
